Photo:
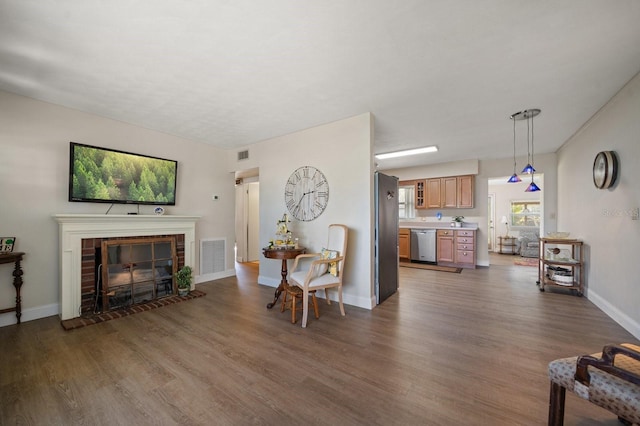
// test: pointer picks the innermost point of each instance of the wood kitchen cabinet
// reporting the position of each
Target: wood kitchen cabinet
(456, 247)
(420, 188)
(445, 246)
(465, 191)
(434, 191)
(404, 243)
(450, 192)
(465, 248)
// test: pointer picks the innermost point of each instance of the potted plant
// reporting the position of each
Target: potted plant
(457, 221)
(183, 279)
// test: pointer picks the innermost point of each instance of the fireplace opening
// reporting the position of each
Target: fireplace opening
(122, 272)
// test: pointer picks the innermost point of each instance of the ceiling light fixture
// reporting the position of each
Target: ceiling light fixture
(407, 152)
(514, 177)
(528, 114)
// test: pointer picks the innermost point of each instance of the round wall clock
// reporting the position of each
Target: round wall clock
(306, 193)
(605, 169)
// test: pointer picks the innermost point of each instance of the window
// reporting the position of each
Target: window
(406, 202)
(525, 214)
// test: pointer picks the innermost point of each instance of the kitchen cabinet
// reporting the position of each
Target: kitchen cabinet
(404, 243)
(420, 193)
(433, 193)
(465, 191)
(560, 264)
(449, 192)
(456, 247)
(466, 248)
(445, 246)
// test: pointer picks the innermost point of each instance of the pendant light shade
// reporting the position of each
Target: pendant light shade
(528, 169)
(532, 187)
(514, 179)
(528, 115)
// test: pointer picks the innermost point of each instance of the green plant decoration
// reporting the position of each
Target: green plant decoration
(184, 277)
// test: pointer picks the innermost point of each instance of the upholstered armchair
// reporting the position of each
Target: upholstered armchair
(323, 273)
(529, 243)
(610, 380)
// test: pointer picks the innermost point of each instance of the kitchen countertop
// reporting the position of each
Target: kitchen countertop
(437, 225)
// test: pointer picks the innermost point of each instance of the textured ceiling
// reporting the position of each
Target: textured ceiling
(231, 73)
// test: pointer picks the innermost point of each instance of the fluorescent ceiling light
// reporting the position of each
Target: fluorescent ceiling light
(407, 152)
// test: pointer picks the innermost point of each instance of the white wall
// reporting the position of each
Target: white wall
(342, 150)
(34, 164)
(603, 218)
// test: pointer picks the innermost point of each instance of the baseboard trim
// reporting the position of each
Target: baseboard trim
(214, 276)
(616, 314)
(30, 314)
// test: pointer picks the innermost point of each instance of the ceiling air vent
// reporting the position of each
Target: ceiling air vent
(243, 155)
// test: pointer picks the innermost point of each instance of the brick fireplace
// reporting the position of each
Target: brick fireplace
(79, 235)
(92, 257)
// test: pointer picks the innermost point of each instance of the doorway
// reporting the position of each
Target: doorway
(507, 197)
(491, 206)
(247, 217)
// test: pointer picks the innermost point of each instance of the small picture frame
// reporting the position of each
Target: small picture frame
(6, 244)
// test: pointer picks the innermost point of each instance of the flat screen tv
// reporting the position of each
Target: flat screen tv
(102, 175)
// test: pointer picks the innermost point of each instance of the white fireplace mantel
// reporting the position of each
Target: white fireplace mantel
(75, 227)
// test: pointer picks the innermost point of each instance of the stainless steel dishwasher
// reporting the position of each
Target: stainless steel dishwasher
(423, 245)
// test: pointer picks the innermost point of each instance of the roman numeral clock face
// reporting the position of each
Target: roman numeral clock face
(306, 193)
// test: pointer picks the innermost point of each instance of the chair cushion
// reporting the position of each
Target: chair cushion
(333, 266)
(298, 277)
(612, 393)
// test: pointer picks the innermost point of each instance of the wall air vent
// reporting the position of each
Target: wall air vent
(212, 255)
(243, 155)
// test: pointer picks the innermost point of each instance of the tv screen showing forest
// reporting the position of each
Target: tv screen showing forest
(110, 176)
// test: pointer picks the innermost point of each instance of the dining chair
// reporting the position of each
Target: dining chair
(325, 271)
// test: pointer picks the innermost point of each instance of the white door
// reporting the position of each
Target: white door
(253, 221)
(491, 215)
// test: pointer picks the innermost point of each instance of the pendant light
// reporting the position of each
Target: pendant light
(514, 177)
(528, 114)
(532, 186)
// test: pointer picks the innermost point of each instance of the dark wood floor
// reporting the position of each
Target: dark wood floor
(447, 349)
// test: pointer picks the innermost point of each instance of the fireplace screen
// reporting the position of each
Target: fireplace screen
(137, 270)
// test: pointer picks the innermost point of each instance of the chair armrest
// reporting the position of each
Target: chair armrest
(606, 364)
(303, 256)
(316, 263)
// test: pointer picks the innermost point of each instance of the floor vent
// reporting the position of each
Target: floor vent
(243, 155)
(212, 255)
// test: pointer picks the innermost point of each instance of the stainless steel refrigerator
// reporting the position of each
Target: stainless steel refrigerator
(386, 238)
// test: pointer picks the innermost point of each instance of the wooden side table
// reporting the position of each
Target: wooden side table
(284, 254)
(507, 245)
(14, 258)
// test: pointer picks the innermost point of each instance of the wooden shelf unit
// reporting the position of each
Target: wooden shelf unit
(575, 265)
